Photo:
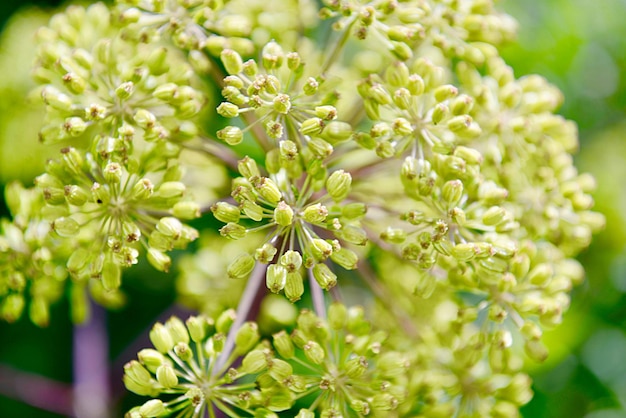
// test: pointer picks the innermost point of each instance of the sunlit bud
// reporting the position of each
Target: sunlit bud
(445, 92)
(379, 94)
(272, 55)
(144, 118)
(232, 135)
(125, 90)
(305, 413)
(337, 131)
(246, 337)
(232, 61)
(311, 86)
(225, 321)
(161, 338)
(233, 231)
(112, 173)
(183, 351)
(345, 258)
(494, 215)
(186, 210)
(402, 98)
(464, 251)
(393, 235)
(151, 359)
(283, 345)
(536, 350)
(314, 352)
(170, 227)
(74, 83)
(228, 110)
(282, 103)
(401, 50)
(265, 254)
(142, 190)
(157, 61)
(293, 61)
(268, 190)
(541, 274)
(248, 168)
(326, 112)
(177, 330)
(312, 126)
(241, 267)
(470, 155)
(76, 195)
(461, 105)
(320, 147)
(225, 212)
(492, 194)
(320, 249)
(356, 367)
(338, 185)
(166, 376)
(291, 260)
(294, 287)
(54, 98)
(337, 315)
(254, 362)
(324, 277)
(95, 112)
(288, 150)
(315, 214)
(440, 111)
(66, 227)
(275, 277)
(352, 234)
(402, 127)
(452, 191)
(159, 260)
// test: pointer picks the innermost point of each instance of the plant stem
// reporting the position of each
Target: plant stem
(249, 301)
(317, 295)
(91, 367)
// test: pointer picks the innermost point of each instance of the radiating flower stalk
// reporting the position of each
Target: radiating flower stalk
(390, 176)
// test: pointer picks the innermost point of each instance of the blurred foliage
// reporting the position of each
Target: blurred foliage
(578, 45)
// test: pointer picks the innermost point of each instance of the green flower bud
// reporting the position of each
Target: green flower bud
(445, 92)
(283, 214)
(268, 190)
(470, 155)
(197, 326)
(345, 258)
(312, 126)
(272, 55)
(247, 337)
(166, 376)
(177, 330)
(66, 227)
(401, 50)
(293, 61)
(252, 210)
(54, 98)
(282, 103)
(294, 288)
(280, 369)
(225, 212)
(536, 350)
(74, 126)
(170, 227)
(232, 135)
(151, 359)
(171, 189)
(76, 195)
(541, 275)
(157, 62)
(305, 413)
(183, 351)
(254, 362)
(320, 249)
(320, 148)
(265, 254)
(384, 402)
(352, 234)
(159, 260)
(125, 90)
(248, 168)
(186, 210)
(314, 352)
(225, 321)
(315, 214)
(393, 235)
(337, 316)
(283, 345)
(356, 367)
(241, 267)
(324, 277)
(338, 185)
(337, 131)
(233, 231)
(452, 192)
(291, 260)
(144, 119)
(161, 338)
(228, 110)
(440, 112)
(275, 278)
(232, 61)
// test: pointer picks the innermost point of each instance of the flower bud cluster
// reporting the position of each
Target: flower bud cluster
(95, 80)
(297, 219)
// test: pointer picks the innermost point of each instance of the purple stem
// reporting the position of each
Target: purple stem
(36, 390)
(249, 301)
(91, 367)
(317, 296)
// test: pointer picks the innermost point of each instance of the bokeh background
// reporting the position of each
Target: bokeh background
(578, 45)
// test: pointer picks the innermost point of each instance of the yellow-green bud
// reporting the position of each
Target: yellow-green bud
(254, 362)
(233, 231)
(294, 288)
(252, 210)
(440, 111)
(291, 260)
(151, 359)
(288, 150)
(275, 278)
(345, 258)
(166, 92)
(272, 55)
(283, 214)
(76, 195)
(247, 336)
(248, 168)
(166, 376)
(197, 326)
(282, 103)
(232, 135)
(171, 189)
(183, 351)
(356, 367)
(401, 50)
(541, 274)
(241, 267)
(324, 277)
(470, 155)
(159, 260)
(352, 234)
(315, 214)
(283, 345)
(305, 413)
(337, 315)
(232, 61)
(293, 61)
(228, 110)
(320, 249)
(536, 350)
(66, 227)
(268, 190)
(170, 227)
(402, 98)
(144, 119)
(445, 92)
(452, 192)
(225, 212)
(393, 235)
(338, 185)
(312, 126)
(186, 210)
(320, 147)
(161, 338)
(494, 215)
(314, 352)
(265, 254)
(142, 190)
(225, 321)
(74, 126)
(310, 87)
(177, 330)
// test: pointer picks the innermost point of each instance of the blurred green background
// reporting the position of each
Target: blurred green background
(579, 45)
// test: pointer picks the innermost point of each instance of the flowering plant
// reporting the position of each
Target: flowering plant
(375, 163)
